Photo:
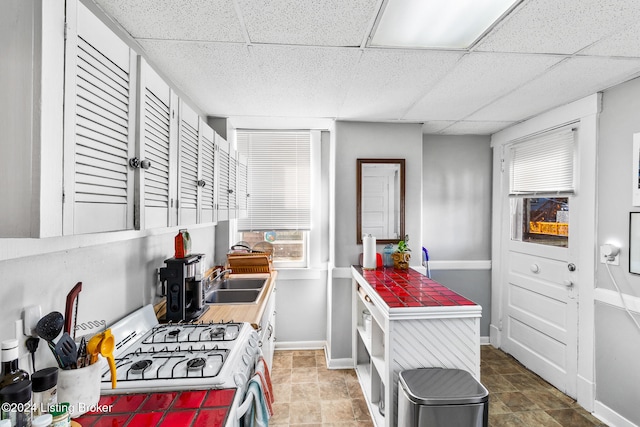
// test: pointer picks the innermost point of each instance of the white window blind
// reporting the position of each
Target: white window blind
(279, 180)
(543, 165)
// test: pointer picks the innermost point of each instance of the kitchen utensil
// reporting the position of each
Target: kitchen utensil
(67, 351)
(82, 353)
(72, 304)
(425, 261)
(93, 347)
(50, 326)
(106, 346)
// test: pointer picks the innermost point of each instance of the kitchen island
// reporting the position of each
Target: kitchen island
(404, 320)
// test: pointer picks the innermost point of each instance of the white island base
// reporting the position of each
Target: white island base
(415, 323)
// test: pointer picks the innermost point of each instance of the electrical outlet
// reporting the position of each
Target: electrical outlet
(31, 316)
(609, 254)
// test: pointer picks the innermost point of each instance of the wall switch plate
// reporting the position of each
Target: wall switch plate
(607, 252)
(31, 316)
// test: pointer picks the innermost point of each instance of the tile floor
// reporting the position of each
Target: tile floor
(309, 394)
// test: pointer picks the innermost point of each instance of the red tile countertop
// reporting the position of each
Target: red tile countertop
(166, 409)
(409, 288)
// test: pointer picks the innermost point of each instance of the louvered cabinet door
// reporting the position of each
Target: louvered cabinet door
(99, 116)
(223, 164)
(207, 174)
(233, 185)
(154, 147)
(188, 166)
(242, 186)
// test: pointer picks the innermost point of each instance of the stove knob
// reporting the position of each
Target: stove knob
(240, 380)
(253, 342)
(246, 359)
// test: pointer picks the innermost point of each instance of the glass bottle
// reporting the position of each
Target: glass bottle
(11, 374)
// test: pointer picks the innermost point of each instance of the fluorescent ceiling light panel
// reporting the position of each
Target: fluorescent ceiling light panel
(454, 24)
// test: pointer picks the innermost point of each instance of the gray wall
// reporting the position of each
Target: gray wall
(355, 140)
(117, 277)
(617, 339)
(456, 213)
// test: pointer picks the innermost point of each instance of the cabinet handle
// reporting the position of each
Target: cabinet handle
(201, 183)
(136, 163)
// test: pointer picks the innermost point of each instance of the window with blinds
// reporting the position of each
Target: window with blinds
(543, 165)
(279, 180)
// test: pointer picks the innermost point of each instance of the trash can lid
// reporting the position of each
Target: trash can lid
(437, 386)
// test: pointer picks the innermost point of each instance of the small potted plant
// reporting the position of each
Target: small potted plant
(402, 254)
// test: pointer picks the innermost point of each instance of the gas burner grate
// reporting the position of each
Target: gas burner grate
(193, 332)
(165, 363)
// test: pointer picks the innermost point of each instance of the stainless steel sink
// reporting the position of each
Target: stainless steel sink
(232, 296)
(241, 283)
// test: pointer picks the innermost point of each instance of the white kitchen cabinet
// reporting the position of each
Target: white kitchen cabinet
(99, 140)
(208, 178)
(227, 166)
(188, 166)
(31, 117)
(267, 329)
(407, 337)
(156, 151)
(242, 182)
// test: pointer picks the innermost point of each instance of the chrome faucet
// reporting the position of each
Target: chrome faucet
(218, 274)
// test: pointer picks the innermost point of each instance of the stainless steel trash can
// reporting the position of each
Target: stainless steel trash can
(434, 397)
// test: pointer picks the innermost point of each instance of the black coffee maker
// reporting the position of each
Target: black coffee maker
(185, 295)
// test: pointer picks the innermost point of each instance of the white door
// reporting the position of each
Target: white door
(540, 301)
(378, 191)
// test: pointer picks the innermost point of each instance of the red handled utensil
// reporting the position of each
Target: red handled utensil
(72, 297)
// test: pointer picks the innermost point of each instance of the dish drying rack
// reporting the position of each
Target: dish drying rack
(250, 261)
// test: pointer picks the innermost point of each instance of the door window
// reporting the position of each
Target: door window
(542, 220)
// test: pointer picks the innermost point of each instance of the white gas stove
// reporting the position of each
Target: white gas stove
(179, 356)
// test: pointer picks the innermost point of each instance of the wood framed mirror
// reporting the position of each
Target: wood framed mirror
(380, 199)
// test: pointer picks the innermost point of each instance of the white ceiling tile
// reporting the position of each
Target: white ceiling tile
(308, 81)
(623, 43)
(436, 126)
(203, 20)
(318, 22)
(476, 80)
(217, 77)
(570, 80)
(475, 128)
(388, 81)
(552, 26)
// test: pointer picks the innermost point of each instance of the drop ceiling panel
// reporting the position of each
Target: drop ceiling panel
(219, 78)
(476, 80)
(552, 26)
(435, 126)
(388, 81)
(570, 80)
(475, 128)
(303, 81)
(318, 22)
(623, 43)
(204, 20)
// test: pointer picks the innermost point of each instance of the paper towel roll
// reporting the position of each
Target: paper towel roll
(368, 252)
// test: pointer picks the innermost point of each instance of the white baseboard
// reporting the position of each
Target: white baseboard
(610, 417)
(300, 345)
(346, 363)
(494, 336)
(485, 341)
(586, 393)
